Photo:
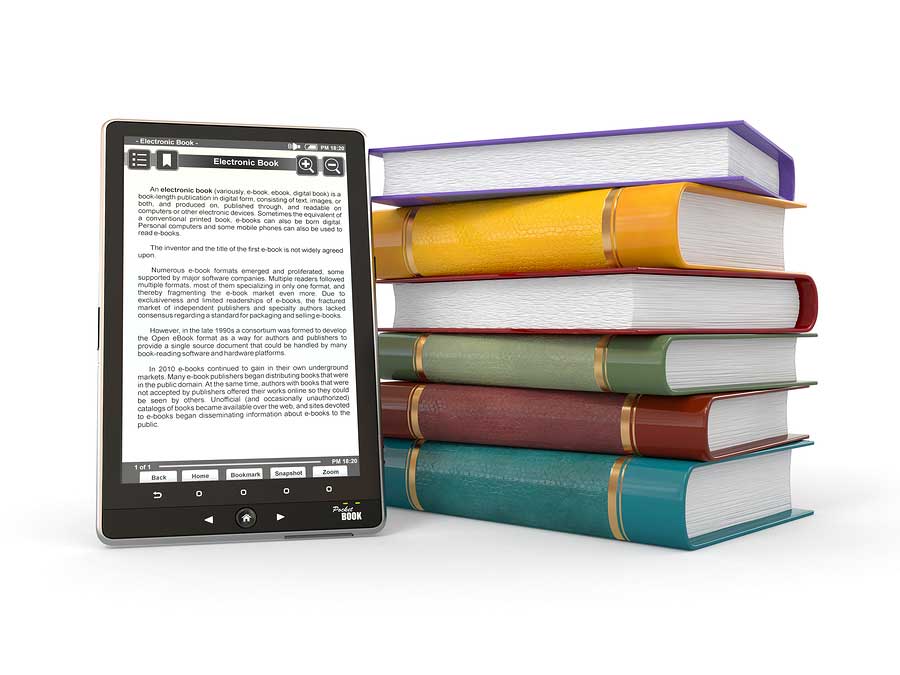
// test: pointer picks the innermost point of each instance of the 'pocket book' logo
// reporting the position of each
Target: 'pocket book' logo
(347, 512)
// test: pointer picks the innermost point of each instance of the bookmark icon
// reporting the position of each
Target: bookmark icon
(166, 160)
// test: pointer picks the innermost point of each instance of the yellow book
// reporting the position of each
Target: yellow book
(682, 225)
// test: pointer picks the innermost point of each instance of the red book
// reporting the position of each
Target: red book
(703, 427)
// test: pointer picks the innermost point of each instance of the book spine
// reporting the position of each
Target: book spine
(671, 427)
(626, 498)
(649, 426)
(627, 364)
(542, 362)
(619, 227)
(411, 289)
(531, 418)
(637, 499)
(396, 356)
(632, 364)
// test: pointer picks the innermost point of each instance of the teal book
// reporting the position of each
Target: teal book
(674, 503)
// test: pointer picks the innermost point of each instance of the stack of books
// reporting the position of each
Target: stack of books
(593, 333)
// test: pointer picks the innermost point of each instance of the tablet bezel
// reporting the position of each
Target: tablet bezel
(127, 514)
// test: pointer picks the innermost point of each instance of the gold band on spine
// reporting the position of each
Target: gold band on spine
(608, 229)
(412, 411)
(626, 424)
(600, 353)
(411, 459)
(419, 357)
(614, 498)
(406, 241)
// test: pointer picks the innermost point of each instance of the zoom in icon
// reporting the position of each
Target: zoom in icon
(307, 165)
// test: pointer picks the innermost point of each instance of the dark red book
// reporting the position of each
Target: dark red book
(703, 427)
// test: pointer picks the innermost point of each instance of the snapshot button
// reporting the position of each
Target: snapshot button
(287, 472)
(245, 517)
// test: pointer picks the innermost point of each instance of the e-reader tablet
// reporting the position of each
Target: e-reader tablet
(237, 371)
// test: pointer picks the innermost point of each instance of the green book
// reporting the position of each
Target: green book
(665, 502)
(630, 364)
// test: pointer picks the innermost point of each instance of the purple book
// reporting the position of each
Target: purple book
(730, 155)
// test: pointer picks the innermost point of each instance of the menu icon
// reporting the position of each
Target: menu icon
(138, 159)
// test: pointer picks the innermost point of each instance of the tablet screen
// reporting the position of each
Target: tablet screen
(237, 328)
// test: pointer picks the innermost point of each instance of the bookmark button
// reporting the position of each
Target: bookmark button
(166, 160)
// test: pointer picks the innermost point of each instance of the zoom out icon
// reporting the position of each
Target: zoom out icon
(307, 165)
(334, 166)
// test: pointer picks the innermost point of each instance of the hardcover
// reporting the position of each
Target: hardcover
(645, 426)
(806, 288)
(741, 183)
(628, 364)
(637, 499)
(636, 226)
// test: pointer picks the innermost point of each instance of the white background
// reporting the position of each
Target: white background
(438, 594)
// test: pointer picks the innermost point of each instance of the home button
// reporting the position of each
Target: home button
(245, 517)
